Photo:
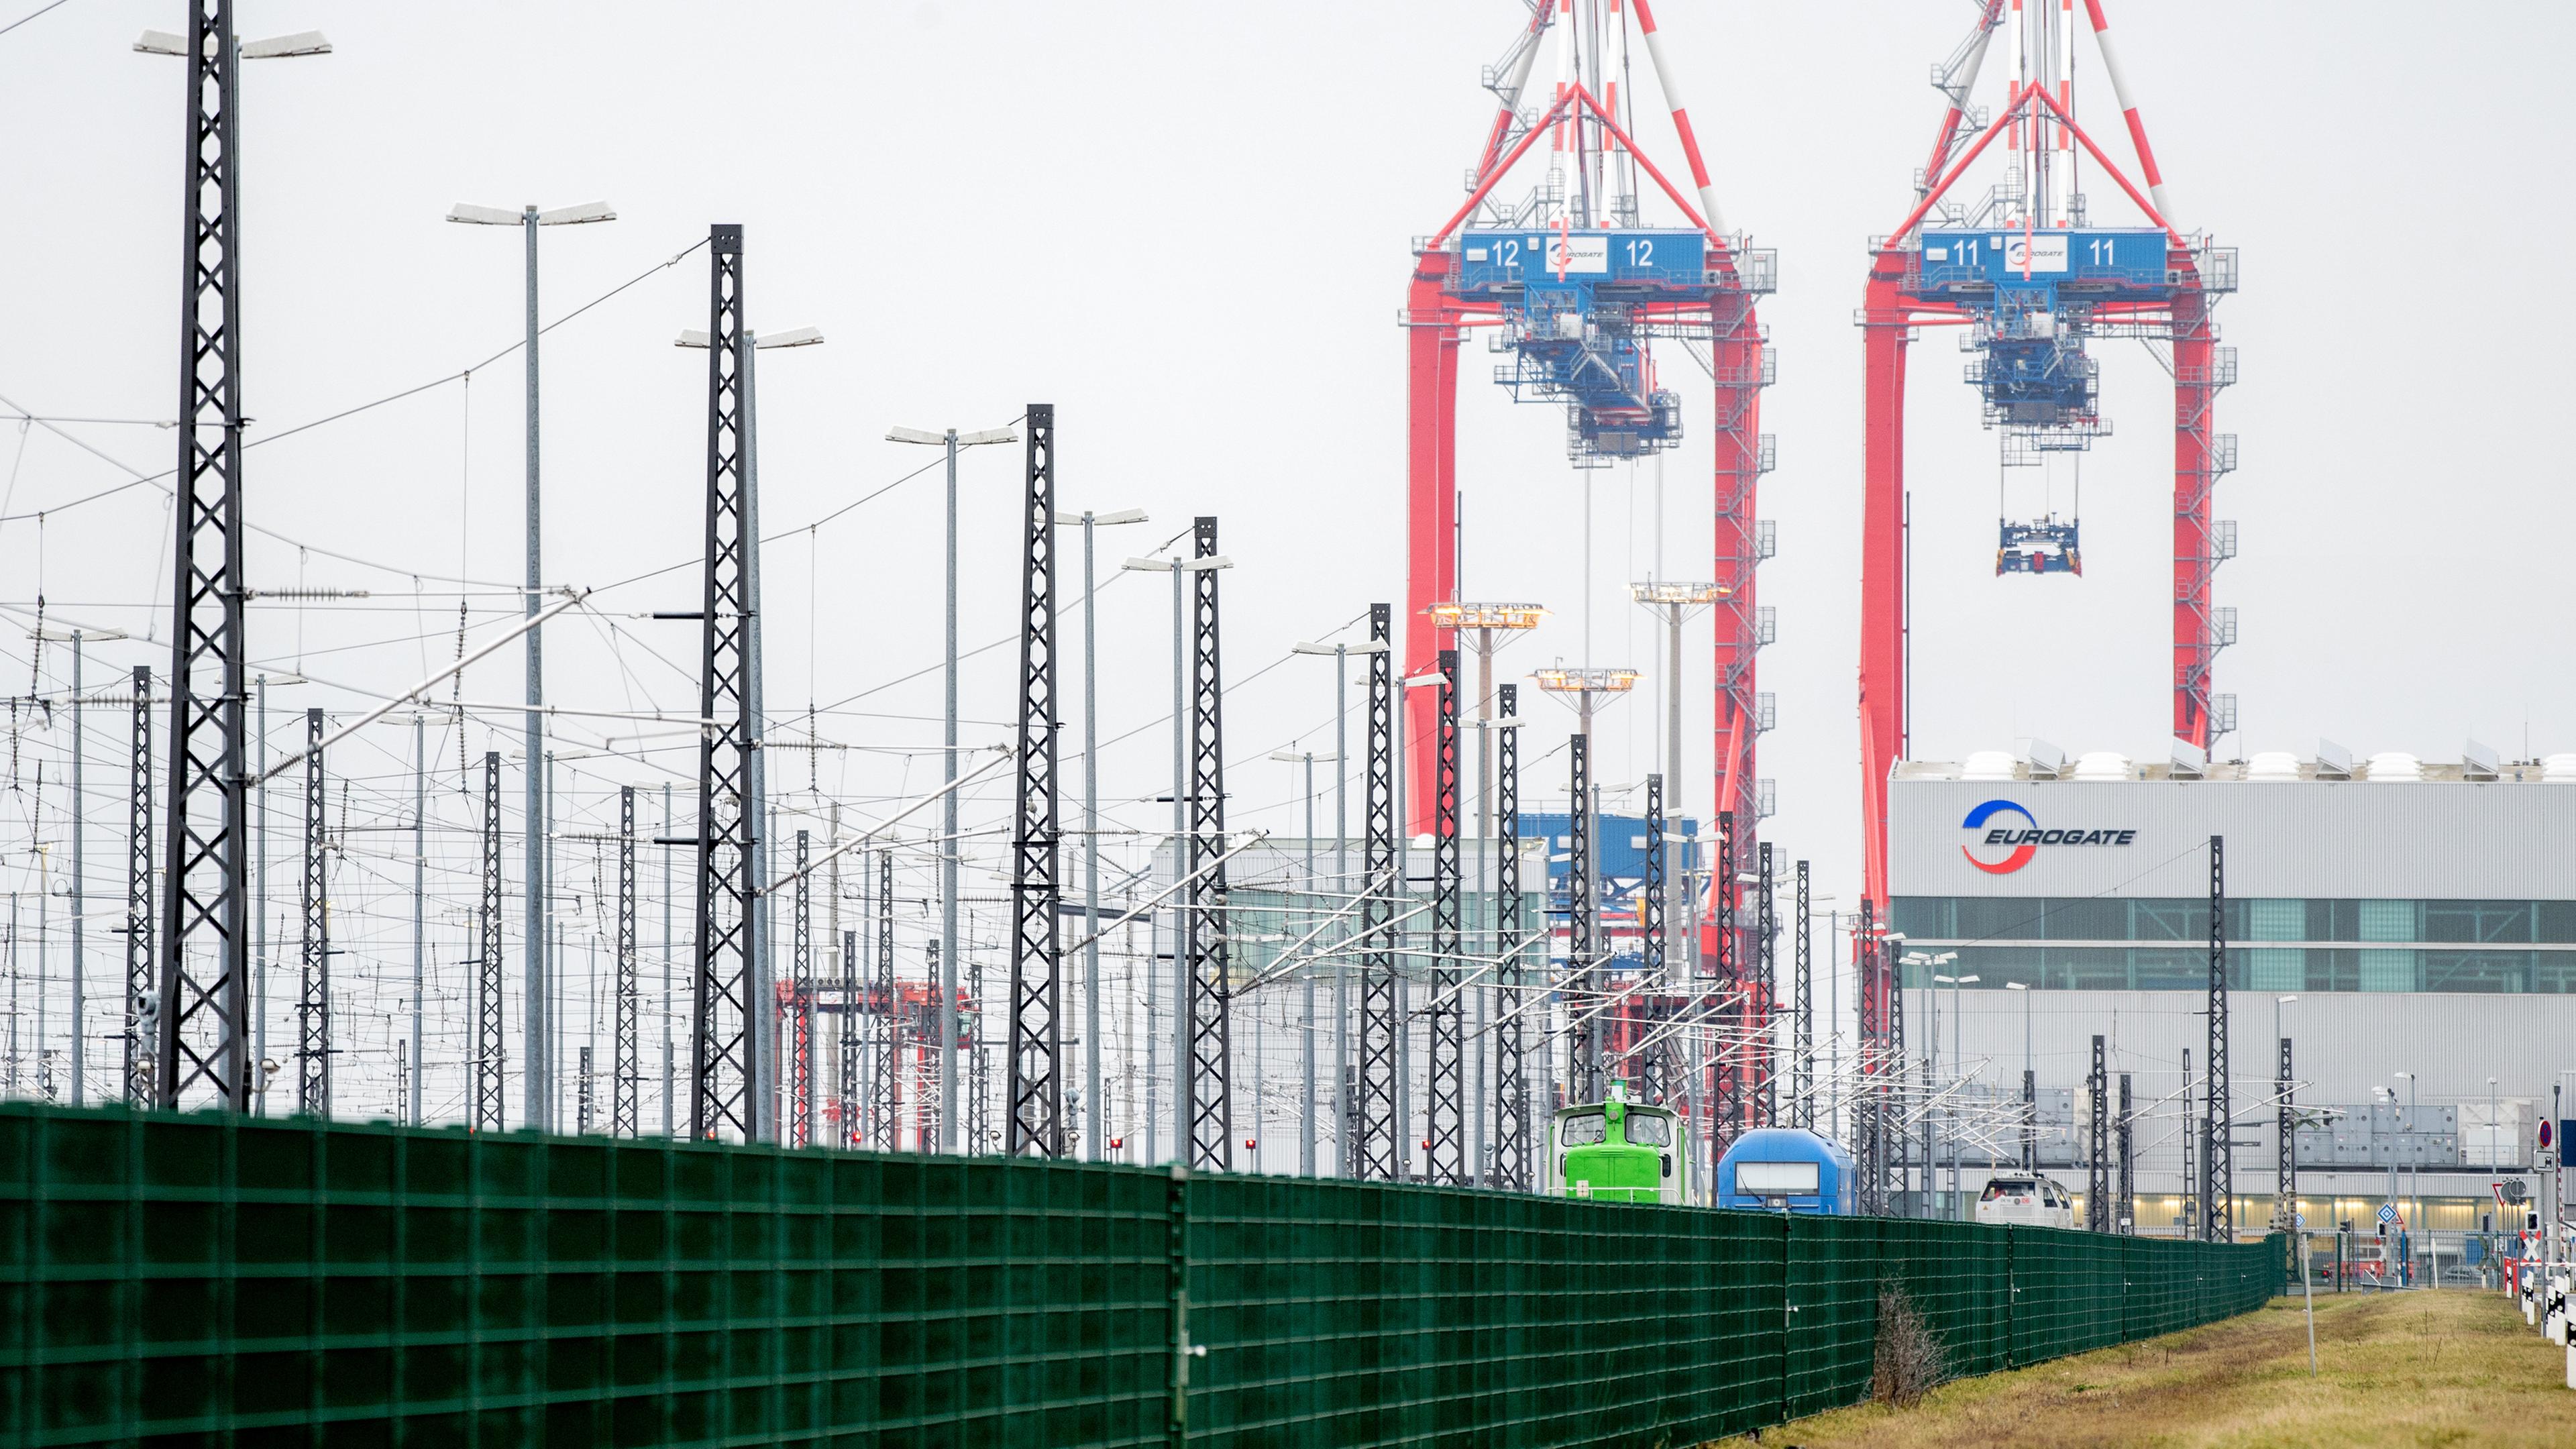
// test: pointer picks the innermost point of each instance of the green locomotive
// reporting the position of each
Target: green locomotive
(1618, 1150)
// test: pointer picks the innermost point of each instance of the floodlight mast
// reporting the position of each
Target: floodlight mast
(538, 933)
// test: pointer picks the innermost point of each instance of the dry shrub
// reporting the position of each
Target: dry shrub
(1911, 1361)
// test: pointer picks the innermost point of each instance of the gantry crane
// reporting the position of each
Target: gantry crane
(2030, 280)
(1575, 287)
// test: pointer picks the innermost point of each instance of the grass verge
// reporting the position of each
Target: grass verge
(2410, 1369)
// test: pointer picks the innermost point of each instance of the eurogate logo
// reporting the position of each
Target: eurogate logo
(2025, 841)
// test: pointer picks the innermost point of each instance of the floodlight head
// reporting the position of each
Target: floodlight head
(2016, 986)
(161, 42)
(1560, 679)
(988, 435)
(1658, 593)
(1150, 565)
(1101, 520)
(1455, 615)
(792, 337)
(303, 42)
(916, 435)
(579, 214)
(472, 215)
(690, 337)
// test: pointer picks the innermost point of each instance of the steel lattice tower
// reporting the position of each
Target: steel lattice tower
(204, 945)
(142, 1028)
(1036, 1081)
(853, 1008)
(1583, 1075)
(1867, 1119)
(2286, 1148)
(1654, 1084)
(725, 1075)
(1802, 1006)
(2217, 1131)
(1380, 881)
(313, 1006)
(2097, 1147)
(800, 1002)
(1765, 1064)
(889, 1100)
(1210, 1057)
(1448, 1117)
(2127, 1191)
(1727, 1108)
(1511, 1076)
(625, 1088)
(491, 1049)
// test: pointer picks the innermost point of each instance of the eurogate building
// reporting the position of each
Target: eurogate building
(2410, 927)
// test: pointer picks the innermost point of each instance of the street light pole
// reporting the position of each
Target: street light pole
(1091, 1124)
(951, 440)
(536, 921)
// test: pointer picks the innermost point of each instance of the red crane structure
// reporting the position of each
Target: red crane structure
(1577, 286)
(2023, 267)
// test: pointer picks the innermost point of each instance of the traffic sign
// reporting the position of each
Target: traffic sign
(2388, 1212)
(2548, 1138)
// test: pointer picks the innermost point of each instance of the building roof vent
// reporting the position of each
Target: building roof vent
(2395, 766)
(2045, 758)
(2478, 761)
(2558, 770)
(2101, 765)
(2334, 762)
(2190, 761)
(1998, 765)
(2272, 765)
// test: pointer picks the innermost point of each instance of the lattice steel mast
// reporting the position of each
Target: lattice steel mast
(1728, 1101)
(853, 1013)
(142, 1015)
(1448, 1124)
(2127, 1191)
(800, 1001)
(1583, 1073)
(2097, 1147)
(204, 1049)
(1653, 1081)
(1379, 883)
(1511, 1079)
(1765, 1065)
(1210, 1057)
(2286, 1147)
(313, 1005)
(724, 1095)
(890, 1034)
(2217, 1131)
(1036, 1081)
(625, 1088)
(491, 1048)
(1803, 1008)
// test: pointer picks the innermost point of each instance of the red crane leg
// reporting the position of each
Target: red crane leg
(1736, 368)
(1430, 509)
(1882, 566)
(2195, 642)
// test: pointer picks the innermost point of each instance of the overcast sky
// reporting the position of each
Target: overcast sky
(1187, 227)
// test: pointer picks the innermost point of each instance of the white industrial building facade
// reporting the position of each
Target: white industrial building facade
(2410, 927)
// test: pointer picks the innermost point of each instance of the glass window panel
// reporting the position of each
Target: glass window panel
(2169, 970)
(2334, 970)
(2477, 970)
(1998, 918)
(2391, 970)
(2276, 969)
(2168, 920)
(1995, 965)
(2389, 921)
(2088, 920)
(2272, 920)
(2554, 972)
(2099, 968)
(1931, 917)
(2555, 921)
(2477, 921)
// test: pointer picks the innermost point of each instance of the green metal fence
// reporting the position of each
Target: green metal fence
(198, 1279)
